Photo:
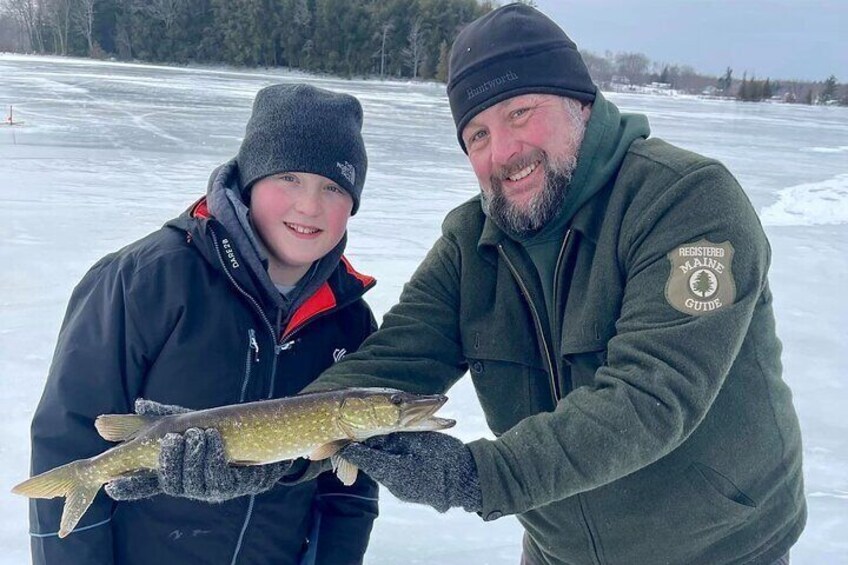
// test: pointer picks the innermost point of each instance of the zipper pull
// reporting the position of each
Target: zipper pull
(254, 345)
(283, 346)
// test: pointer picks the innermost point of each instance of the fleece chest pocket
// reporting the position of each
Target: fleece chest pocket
(583, 349)
(510, 380)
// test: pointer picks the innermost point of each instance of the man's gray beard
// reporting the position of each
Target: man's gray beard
(542, 207)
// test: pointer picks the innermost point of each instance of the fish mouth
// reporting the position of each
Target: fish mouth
(419, 409)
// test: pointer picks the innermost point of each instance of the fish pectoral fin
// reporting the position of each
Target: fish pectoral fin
(122, 427)
(345, 470)
(76, 503)
(327, 450)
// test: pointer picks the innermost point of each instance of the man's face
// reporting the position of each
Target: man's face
(300, 217)
(524, 151)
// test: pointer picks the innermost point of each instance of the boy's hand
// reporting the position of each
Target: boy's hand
(193, 465)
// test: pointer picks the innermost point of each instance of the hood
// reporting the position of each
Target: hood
(222, 219)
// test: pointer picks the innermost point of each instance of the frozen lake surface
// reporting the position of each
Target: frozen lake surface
(109, 152)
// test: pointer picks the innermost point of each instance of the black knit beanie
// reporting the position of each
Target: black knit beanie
(301, 128)
(510, 51)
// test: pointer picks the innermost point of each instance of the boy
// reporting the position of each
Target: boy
(245, 296)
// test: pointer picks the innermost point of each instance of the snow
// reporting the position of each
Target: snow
(110, 151)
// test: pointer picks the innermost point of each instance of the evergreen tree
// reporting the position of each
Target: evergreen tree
(726, 81)
(767, 90)
(703, 284)
(828, 91)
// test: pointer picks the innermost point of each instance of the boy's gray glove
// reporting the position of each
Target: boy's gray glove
(424, 467)
(192, 465)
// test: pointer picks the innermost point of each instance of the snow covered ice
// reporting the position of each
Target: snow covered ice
(109, 152)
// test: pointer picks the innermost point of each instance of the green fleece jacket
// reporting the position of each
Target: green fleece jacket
(655, 427)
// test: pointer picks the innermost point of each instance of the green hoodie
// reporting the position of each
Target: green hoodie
(656, 427)
(607, 138)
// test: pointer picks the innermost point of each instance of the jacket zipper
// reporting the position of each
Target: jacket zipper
(254, 346)
(252, 357)
(557, 268)
(243, 292)
(554, 386)
(555, 393)
(557, 322)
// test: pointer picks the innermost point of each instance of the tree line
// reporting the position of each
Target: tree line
(386, 38)
(619, 71)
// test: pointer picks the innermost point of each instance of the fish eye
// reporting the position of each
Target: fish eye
(396, 399)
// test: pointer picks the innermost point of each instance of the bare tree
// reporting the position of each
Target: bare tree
(58, 14)
(633, 66)
(83, 20)
(383, 34)
(600, 68)
(28, 14)
(165, 11)
(415, 50)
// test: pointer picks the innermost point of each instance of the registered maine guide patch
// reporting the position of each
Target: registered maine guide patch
(701, 280)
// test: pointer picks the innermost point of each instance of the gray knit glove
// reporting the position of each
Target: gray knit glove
(193, 465)
(424, 467)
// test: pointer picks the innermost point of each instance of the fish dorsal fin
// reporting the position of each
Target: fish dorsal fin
(122, 427)
(327, 450)
(345, 470)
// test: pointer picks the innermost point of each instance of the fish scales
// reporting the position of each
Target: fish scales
(312, 425)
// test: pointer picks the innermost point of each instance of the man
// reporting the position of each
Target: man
(608, 294)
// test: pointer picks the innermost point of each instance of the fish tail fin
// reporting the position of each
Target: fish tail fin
(63, 481)
(76, 503)
(122, 427)
(50, 484)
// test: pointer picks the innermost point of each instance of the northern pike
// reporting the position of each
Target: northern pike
(315, 425)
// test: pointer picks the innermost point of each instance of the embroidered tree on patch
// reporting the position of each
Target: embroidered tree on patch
(703, 284)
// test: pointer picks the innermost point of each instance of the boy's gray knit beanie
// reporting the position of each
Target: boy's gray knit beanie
(301, 128)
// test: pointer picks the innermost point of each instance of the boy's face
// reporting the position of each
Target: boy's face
(300, 218)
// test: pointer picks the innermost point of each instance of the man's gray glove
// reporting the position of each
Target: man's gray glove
(424, 467)
(193, 465)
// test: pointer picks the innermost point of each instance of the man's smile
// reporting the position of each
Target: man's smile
(524, 172)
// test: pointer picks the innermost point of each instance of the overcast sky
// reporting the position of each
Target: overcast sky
(781, 39)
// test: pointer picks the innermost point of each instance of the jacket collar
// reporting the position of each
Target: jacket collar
(344, 286)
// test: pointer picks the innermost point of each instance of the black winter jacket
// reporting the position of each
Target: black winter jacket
(177, 318)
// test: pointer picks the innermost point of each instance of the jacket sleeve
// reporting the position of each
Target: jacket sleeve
(417, 348)
(664, 368)
(96, 369)
(345, 517)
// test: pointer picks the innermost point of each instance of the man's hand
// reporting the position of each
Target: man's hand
(193, 465)
(424, 467)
